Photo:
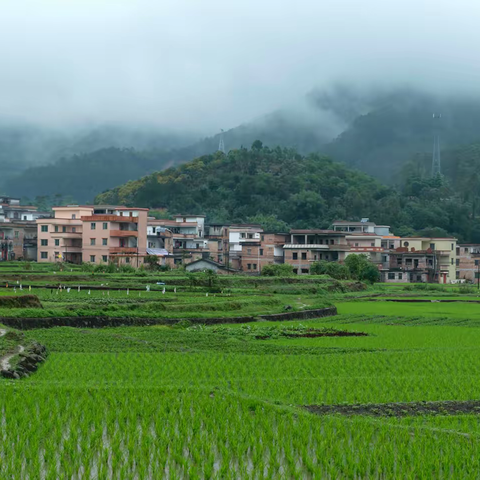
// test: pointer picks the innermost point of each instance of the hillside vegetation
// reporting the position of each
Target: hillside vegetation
(279, 188)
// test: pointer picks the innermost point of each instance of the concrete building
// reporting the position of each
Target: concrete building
(182, 240)
(96, 234)
(419, 259)
(308, 246)
(468, 263)
(244, 239)
(217, 236)
(364, 226)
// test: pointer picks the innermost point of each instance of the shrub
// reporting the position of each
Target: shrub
(333, 269)
(277, 270)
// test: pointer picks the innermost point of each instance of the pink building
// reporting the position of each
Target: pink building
(95, 234)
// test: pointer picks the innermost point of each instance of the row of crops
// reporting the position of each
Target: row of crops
(201, 402)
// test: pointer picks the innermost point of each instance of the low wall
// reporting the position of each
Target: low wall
(101, 322)
(20, 301)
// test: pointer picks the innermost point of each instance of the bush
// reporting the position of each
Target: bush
(277, 270)
(333, 269)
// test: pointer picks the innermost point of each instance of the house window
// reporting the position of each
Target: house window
(295, 271)
(452, 246)
(372, 244)
(64, 229)
(356, 244)
(384, 258)
(295, 255)
(399, 260)
(263, 238)
(44, 228)
(254, 266)
(250, 235)
(92, 258)
(57, 242)
(465, 250)
(73, 216)
(304, 270)
(24, 217)
(315, 257)
(391, 276)
(57, 254)
(104, 258)
(392, 246)
(419, 278)
(457, 261)
(432, 246)
(457, 274)
(249, 266)
(242, 235)
(16, 233)
(476, 263)
(451, 261)
(74, 230)
(105, 226)
(249, 251)
(304, 255)
(400, 276)
(43, 242)
(56, 228)
(93, 226)
(92, 241)
(104, 241)
(43, 255)
(127, 260)
(261, 251)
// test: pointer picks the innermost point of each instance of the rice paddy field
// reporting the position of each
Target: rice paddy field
(388, 388)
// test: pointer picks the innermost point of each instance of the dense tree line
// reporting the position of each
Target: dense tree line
(280, 189)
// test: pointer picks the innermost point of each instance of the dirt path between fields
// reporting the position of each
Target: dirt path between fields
(399, 409)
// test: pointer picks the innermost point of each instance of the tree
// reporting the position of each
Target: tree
(361, 268)
(333, 269)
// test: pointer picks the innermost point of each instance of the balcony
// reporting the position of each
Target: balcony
(188, 250)
(72, 250)
(123, 233)
(66, 234)
(123, 250)
(109, 218)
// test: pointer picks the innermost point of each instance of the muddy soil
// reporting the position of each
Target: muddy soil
(399, 409)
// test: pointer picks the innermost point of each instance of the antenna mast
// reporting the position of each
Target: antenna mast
(221, 143)
(436, 165)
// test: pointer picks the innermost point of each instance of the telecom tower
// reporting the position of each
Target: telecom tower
(221, 144)
(436, 165)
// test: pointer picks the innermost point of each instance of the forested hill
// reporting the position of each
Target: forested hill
(400, 126)
(280, 188)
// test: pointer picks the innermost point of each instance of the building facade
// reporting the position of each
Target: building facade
(95, 234)
(468, 263)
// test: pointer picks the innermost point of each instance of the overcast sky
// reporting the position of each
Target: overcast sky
(211, 64)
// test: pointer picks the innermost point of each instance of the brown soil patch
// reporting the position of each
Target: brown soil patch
(399, 409)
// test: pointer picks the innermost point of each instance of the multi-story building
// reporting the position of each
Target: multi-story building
(18, 230)
(420, 259)
(96, 234)
(244, 241)
(468, 262)
(217, 236)
(183, 238)
(308, 246)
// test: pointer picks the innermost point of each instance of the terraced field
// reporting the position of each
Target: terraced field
(377, 391)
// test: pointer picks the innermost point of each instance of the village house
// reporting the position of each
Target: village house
(217, 236)
(422, 259)
(468, 262)
(96, 234)
(308, 246)
(178, 241)
(244, 240)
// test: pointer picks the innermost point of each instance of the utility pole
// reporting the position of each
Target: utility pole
(478, 274)
(436, 164)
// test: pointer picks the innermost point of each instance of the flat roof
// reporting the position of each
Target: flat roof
(318, 231)
(345, 222)
(184, 215)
